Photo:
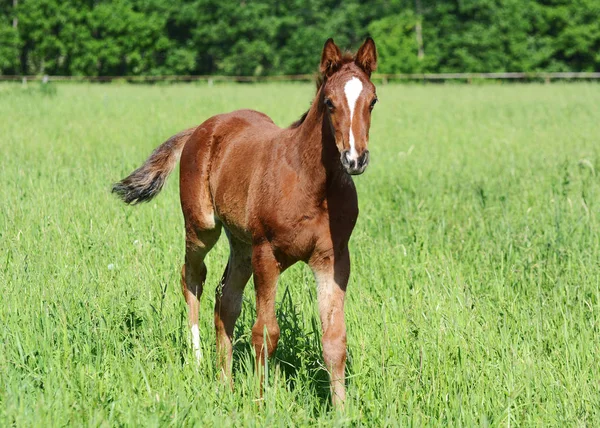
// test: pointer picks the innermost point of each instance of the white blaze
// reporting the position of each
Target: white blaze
(352, 89)
(196, 342)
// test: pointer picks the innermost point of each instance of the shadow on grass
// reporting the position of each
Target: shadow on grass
(299, 352)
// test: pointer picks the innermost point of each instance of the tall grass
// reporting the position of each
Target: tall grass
(474, 297)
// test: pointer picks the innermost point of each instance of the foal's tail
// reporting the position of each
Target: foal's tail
(145, 182)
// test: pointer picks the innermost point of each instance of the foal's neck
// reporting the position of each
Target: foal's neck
(315, 146)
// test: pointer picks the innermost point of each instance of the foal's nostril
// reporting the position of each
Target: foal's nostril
(363, 160)
(346, 161)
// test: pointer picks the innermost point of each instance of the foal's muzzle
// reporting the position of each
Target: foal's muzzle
(355, 166)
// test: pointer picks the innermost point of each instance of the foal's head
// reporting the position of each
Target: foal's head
(348, 96)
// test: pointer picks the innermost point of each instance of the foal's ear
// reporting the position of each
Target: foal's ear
(331, 58)
(366, 57)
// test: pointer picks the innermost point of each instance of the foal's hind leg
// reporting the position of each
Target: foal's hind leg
(228, 302)
(193, 274)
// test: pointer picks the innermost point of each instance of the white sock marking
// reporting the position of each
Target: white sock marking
(352, 89)
(196, 342)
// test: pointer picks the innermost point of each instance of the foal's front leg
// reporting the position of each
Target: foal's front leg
(265, 332)
(332, 273)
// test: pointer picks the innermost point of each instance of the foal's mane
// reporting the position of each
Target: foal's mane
(320, 81)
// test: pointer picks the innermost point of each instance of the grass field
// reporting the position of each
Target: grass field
(474, 298)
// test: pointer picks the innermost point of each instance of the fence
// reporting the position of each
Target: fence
(468, 77)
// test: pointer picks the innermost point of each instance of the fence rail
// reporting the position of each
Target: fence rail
(547, 77)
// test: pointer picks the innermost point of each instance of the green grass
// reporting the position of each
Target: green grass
(474, 297)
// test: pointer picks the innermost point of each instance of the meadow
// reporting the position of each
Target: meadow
(475, 291)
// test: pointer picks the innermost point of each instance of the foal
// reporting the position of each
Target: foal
(282, 196)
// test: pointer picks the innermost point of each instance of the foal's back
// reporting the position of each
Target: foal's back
(238, 168)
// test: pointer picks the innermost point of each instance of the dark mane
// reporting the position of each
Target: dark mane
(320, 80)
(300, 121)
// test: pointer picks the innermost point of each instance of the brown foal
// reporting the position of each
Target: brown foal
(282, 196)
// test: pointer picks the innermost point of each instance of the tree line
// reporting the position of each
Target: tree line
(270, 37)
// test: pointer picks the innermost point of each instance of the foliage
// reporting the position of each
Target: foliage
(396, 44)
(265, 37)
(474, 298)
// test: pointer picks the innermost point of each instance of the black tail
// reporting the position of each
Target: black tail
(144, 183)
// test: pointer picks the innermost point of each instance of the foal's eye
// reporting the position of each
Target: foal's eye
(373, 104)
(328, 103)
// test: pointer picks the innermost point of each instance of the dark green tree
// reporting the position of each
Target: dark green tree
(267, 37)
